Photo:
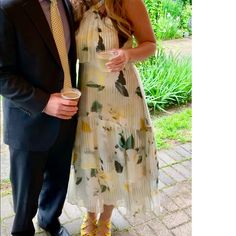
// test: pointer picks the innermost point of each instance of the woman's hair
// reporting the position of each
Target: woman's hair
(114, 9)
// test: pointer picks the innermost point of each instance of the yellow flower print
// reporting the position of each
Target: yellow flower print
(118, 116)
(85, 127)
(115, 114)
(101, 80)
(103, 176)
(127, 187)
(142, 125)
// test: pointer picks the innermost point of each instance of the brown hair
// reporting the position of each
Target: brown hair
(114, 9)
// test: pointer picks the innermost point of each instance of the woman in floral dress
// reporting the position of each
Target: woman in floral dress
(115, 158)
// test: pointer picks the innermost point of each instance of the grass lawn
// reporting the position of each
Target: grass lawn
(173, 129)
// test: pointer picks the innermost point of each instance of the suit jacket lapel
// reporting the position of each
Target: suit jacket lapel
(35, 12)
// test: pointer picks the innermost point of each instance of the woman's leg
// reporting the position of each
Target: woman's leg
(104, 222)
(92, 216)
(89, 225)
(106, 215)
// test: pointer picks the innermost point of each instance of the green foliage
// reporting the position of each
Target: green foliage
(170, 18)
(173, 129)
(154, 8)
(186, 19)
(187, 2)
(174, 8)
(168, 27)
(167, 80)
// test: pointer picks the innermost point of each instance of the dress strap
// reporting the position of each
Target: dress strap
(99, 4)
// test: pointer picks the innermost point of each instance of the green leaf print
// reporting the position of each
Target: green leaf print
(138, 92)
(119, 167)
(100, 46)
(103, 188)
(121, 78)
(85, 48)
(78, 181)
(96, 107)
(122, 141)
(140, 159)
(121, 88)
(94, 172)
(93, 85)
(130, 143)
(101, 88)
(120, 84)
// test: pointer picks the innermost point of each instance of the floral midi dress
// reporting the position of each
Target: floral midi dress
(115, 158)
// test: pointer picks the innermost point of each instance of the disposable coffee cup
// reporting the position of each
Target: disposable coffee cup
(70, 94)
(103, 57)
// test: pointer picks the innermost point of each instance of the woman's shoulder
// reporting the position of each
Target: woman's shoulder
(134, 8)
(133, 3)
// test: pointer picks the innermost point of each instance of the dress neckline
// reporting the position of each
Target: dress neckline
(94, 7)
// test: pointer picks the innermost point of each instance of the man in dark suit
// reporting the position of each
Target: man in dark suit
(39, 125)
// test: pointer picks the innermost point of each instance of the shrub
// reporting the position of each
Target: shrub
(170, 18)
(168, 27)
(174, 8)
(185, 2)
(186, 18)
(167, 80)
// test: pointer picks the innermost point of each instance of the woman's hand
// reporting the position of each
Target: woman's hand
(119, 61)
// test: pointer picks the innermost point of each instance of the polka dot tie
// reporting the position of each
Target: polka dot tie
(59, 37)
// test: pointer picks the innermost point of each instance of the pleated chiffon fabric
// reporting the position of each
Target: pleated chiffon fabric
(115, 157)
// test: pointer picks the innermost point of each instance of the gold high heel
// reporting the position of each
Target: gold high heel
(106, 224)
(85, 224)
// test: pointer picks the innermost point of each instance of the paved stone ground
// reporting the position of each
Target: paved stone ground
(183, 47)
(4, 153)
(5, 162)
(175, 195)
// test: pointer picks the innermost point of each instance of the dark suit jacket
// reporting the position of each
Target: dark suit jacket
(30, 70)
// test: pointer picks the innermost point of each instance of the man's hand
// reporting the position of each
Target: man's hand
(60, 108)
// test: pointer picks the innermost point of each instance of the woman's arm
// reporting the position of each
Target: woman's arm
(143, 32)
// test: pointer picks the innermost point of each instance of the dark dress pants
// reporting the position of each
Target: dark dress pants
(39, 181)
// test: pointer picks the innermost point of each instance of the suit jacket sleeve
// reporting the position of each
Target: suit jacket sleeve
(12, 85)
